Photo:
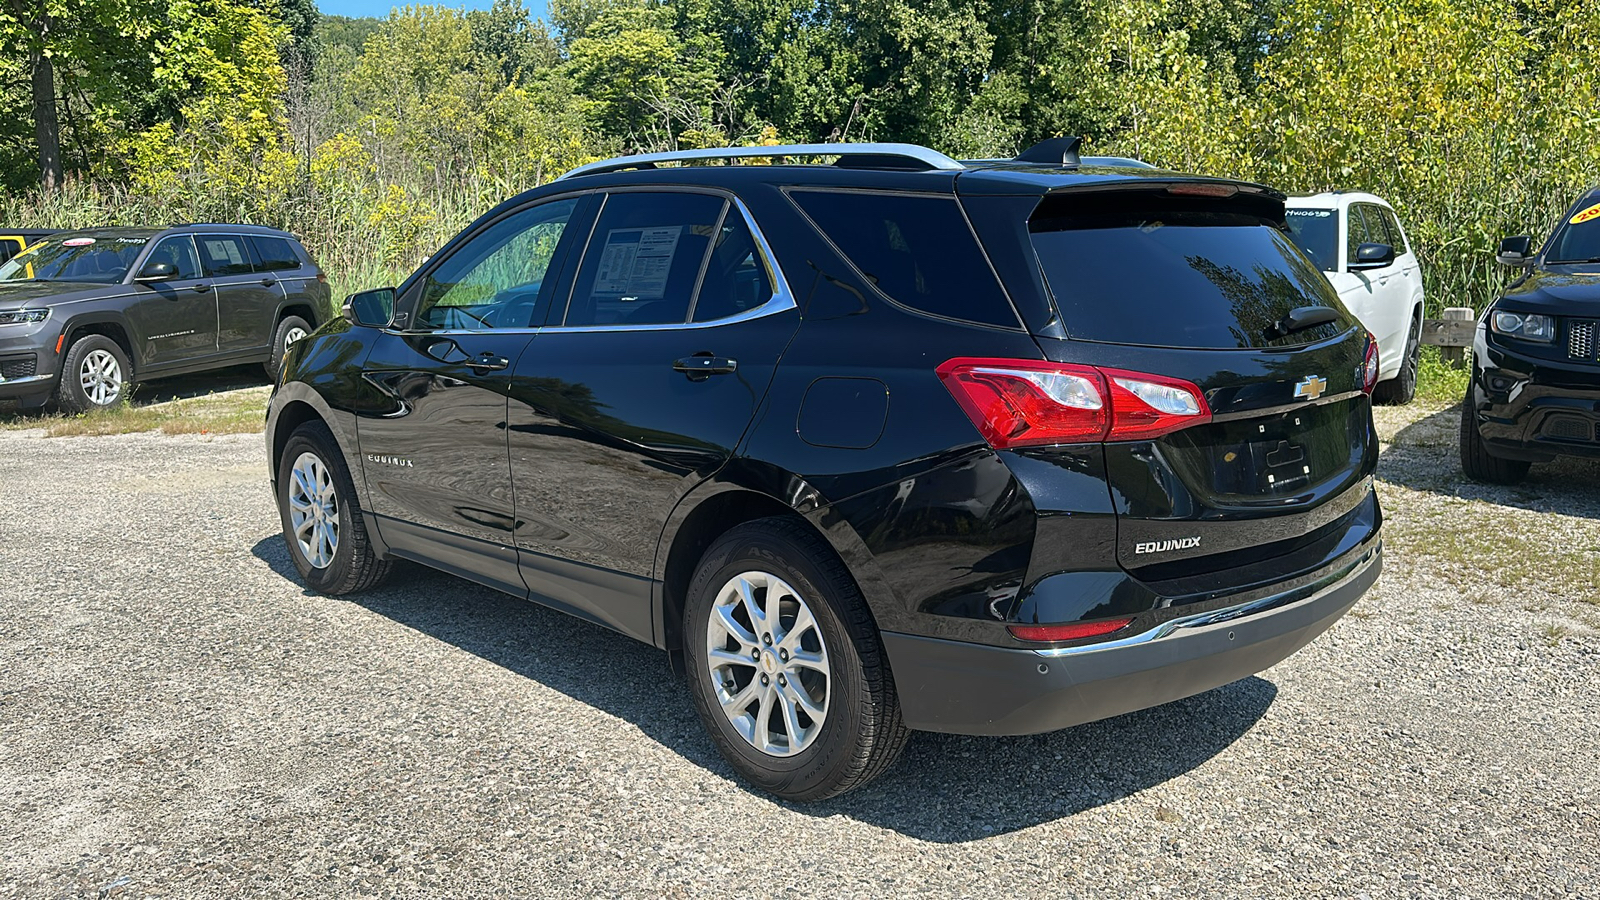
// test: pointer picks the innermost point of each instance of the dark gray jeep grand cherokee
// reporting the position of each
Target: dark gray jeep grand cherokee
(83, 314)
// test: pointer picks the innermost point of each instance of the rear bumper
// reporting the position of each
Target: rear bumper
(966, 688)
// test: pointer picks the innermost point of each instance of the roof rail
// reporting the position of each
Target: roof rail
(929, 159)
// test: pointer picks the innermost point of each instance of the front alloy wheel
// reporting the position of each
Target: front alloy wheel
(321, 515)
(314, 510)
(100, 376)
(767, 663)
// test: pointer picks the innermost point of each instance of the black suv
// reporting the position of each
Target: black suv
(1535, 389)
(892, 443)
(85, 313)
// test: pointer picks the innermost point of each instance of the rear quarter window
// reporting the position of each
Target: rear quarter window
(917, 249)
(1172, 272)
(275, 253)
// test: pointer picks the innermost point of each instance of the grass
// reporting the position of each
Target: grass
(1439, 381)
(240, 411)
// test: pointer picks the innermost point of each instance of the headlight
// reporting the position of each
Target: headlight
(23, 316)
(1522, 325)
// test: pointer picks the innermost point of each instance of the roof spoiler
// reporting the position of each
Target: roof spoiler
(1057, 151)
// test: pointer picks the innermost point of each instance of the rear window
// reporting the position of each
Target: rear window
(917, 249)
(1149, 269)
(1316, 233)
(275, 253)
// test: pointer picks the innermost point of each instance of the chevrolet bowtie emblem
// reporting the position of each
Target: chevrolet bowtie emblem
(1311, 387)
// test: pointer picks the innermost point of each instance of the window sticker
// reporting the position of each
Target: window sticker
(224, 250)
(1312, 213)
(77, 242)
(635, 263)
(1592, 212)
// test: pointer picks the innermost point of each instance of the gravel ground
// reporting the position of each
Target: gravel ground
(178, 717)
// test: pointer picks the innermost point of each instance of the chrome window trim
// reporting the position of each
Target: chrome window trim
(1282, 600)
(782, 298)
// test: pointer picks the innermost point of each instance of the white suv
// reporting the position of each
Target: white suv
(1357, 241)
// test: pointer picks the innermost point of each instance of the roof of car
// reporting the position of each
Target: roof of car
(902, 166)
(1334, 198)
(111, 232)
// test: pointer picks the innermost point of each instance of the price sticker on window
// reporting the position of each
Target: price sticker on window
(1592, 212)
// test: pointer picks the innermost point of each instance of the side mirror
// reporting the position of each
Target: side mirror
(156, 271)
(1515, 251)
(1372, 256)
(372, 308)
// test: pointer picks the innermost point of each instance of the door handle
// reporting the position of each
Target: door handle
(201, 288)
(488, 361)
(699, 368)
(268, 282)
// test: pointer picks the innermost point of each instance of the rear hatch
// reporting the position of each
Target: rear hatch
(1198, 281)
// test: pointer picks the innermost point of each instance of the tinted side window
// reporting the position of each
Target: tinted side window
(1397, 238)
(275, 253)
(497, 279)
(1357, 233)
(1377, 224)
(224, 254)
(736, 279)
(179, 251)
(9, 248)
(644, 259)
(918, 250)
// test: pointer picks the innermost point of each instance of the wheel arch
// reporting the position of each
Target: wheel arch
(109, 325)
(296, 307)
(740, 494)
(296, 403)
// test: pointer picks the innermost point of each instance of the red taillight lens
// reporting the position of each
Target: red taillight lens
(1369, 365)
(1030, 403)
(322, 278)
(1071, 632)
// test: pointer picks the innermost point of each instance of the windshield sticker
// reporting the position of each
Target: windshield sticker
(1314, 213)
(1592, 212)
(77, 242)
(635, 263)
(130, 240)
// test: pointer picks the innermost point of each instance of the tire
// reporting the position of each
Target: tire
(291, 329)
(1476, 460)
(339, 561)
(95, 374)
(859, 733)
(1402, 388)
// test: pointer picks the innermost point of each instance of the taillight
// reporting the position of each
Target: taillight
(1071, 632)
(322, 278)
(1369, 365)
(1030, 403)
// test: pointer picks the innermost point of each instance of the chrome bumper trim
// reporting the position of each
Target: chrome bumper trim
(1275, 602)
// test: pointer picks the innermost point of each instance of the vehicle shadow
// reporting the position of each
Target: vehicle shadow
(1425, 456)
(946, 788)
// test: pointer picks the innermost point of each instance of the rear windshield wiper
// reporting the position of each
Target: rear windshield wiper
(1299, 319)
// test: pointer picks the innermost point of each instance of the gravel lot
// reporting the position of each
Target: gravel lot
(178, 717)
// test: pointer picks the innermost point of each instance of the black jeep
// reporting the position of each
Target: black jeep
(1535, 389)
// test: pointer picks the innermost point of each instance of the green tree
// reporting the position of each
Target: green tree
(74, 45)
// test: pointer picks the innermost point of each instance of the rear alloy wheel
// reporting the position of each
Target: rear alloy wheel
(291, 329)
(1402, 388)
(322, 527)
(94, 375)
(1476, 460)
(786, 666)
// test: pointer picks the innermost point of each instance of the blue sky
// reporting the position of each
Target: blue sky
(381, 7)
